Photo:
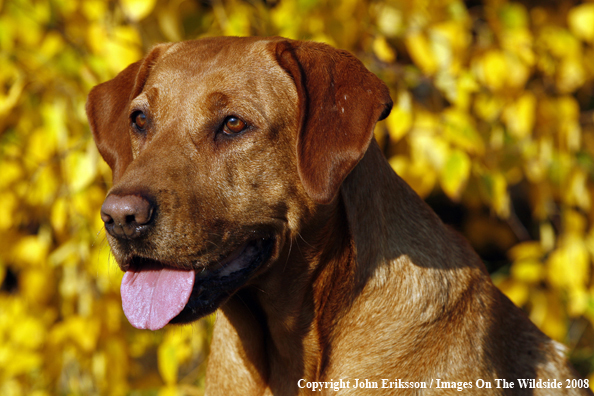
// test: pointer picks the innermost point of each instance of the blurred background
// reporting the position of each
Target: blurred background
(493, 125)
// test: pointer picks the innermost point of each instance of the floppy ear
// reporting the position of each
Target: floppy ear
(339, 103)
(107, 110)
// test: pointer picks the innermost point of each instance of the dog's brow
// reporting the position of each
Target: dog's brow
(217, 100)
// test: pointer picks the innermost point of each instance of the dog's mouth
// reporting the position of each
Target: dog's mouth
(155, 294)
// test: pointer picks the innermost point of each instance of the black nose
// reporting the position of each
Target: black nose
(126, 216)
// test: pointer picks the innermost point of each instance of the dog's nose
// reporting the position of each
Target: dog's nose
(126, 216)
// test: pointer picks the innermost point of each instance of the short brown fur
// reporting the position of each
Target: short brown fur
(364, 280)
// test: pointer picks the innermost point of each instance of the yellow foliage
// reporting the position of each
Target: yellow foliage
(382, 49)
(400, 119)
(528, 271)
(581, 21)
(138, 9)
(572, 252)
(417, 174)
(455, 173)
(519, 116)
(492, 109)
(492, 69)
(420, 50)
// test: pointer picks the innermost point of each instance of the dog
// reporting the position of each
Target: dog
(246, 181)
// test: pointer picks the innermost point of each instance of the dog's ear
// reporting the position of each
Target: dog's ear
(339, 103)
(107, 110)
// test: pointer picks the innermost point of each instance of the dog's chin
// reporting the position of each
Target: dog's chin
(218, 281)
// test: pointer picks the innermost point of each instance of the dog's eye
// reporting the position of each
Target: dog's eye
(139, 120)
(234, 125)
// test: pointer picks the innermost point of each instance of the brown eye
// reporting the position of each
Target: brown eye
(139, 120)
(234, 125)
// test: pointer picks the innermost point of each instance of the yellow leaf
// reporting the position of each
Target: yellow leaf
(547, 236)
(104, 269)
(513, 16)
(420, 51)
(83, 331)
(389, 21)
(560, 42)
(567, 110)
(578, 302)
(117, 364)
(539, 156)
(577, 193)
(99, 367)
(487, 106)
(429, 148)
(96, 36)
(29, 333)
(448, 41)
(9, 101)
(454, 33)
(419, 175)
(529, 271)
(553, 321)
(8, 204)
(287, 18)
(574, 223)
(88, 202)
(382, 50)
(400, 119)
(29, 30)
(169, 23)
(141, 343)
(80, 169)
(42, 187)
(41, 147)
(466, 86)
(459, 129)
(168, 363)
(455, 173)
(169, 390)
(11, 171)
(137, 10)
(238, 23)
(571, 74)
(495, 187)
(59, 215)
(569, 265)
(519, 117)
(516, 291)
(31, 250)
(581, 21)
(525, 250)
(54, 129)
(39, 393)
(93, 9)
(120, 46)
(52, 44)
(21, 362)
(521, 73)
(492, 69)
(37, 286)
(519, 42)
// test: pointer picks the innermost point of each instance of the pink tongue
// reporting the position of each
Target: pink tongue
(152, 298)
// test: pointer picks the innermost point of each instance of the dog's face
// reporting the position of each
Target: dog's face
(220, 150)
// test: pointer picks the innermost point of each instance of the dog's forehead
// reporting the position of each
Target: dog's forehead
(190, 72)
(211, 61)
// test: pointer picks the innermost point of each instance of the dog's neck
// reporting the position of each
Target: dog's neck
(329, 264)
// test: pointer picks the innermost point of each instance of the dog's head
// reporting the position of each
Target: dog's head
(220, 150)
